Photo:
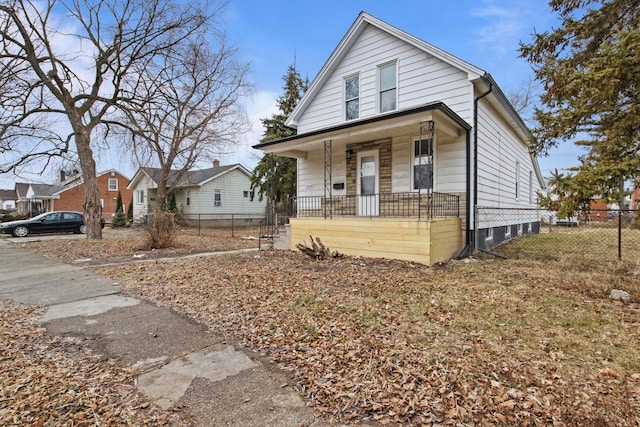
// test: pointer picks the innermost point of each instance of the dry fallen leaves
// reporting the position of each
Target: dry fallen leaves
(47, 380)
(372, 340)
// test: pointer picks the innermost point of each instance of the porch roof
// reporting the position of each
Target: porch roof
(402, 122)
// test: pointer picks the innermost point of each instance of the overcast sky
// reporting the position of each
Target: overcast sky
(270, 34)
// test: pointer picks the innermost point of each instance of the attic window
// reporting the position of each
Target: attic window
(388, 87)
(113, 184)
(352, 97)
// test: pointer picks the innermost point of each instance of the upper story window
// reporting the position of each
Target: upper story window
(422, 164)
(388, 87)
(113, 184)
(217, 197)
(352, 97)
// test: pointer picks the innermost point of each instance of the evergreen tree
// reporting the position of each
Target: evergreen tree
(130, 211)
(274, 177)
(119, 203)
(171, 204)
(119, 219)
(589, 68)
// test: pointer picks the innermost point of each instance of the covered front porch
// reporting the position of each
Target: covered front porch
(393, 186)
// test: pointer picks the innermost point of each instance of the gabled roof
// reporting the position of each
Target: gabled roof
(192, 178)
(8, 194)
(41, 191)
(480, 78)
(21, 189)
(77, 180)
(347, 42)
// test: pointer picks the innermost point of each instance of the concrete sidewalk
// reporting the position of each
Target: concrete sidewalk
(180, 362)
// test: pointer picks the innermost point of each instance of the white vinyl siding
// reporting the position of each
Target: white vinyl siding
(232, 186)
(449, 164)
(421, 79)
(516, 181)
(140, 194)
(500, 151)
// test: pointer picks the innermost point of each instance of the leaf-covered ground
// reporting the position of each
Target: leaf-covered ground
(49, 381)
(494, 342)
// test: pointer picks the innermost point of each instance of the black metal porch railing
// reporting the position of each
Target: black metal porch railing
(406, 205)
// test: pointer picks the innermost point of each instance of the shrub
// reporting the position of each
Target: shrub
(119, 220)
(160, 229)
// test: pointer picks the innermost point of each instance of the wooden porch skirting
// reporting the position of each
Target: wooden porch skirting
(408, 239)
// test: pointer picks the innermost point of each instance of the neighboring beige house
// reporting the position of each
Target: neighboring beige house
(397, 143)
(214, 193)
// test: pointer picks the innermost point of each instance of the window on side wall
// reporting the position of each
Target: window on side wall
(188, 197)
(388, 85)
(352, 97)
(530, 187)
(422, 164)
(113, 184)
(139, 196)
(217, 197)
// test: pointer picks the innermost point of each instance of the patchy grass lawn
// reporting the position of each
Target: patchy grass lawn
(522, 341)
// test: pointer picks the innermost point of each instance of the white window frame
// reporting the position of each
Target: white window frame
(112, 180)
(139, 197)
(347, 100)
(489, 235)
(394, 88)
(217, 197)
(412, 153)
(188, 197)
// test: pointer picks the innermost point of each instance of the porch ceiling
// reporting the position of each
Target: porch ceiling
(367, 130)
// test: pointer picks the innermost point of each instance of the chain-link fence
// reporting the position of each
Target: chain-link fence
(233, 223)
(599, 235)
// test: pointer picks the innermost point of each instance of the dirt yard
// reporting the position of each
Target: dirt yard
(480, 342)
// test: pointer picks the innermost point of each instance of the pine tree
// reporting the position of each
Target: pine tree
(130, 211)
(119, 202)
(274, 177)
(171, 204)
(119, 219)
(589, 68)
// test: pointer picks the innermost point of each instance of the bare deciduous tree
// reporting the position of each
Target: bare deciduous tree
(187, 108)
(63, 68)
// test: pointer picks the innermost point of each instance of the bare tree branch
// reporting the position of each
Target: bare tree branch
(66, 66)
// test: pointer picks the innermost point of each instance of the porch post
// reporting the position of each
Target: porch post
(328, 158)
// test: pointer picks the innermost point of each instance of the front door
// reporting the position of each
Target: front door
(368, 183)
